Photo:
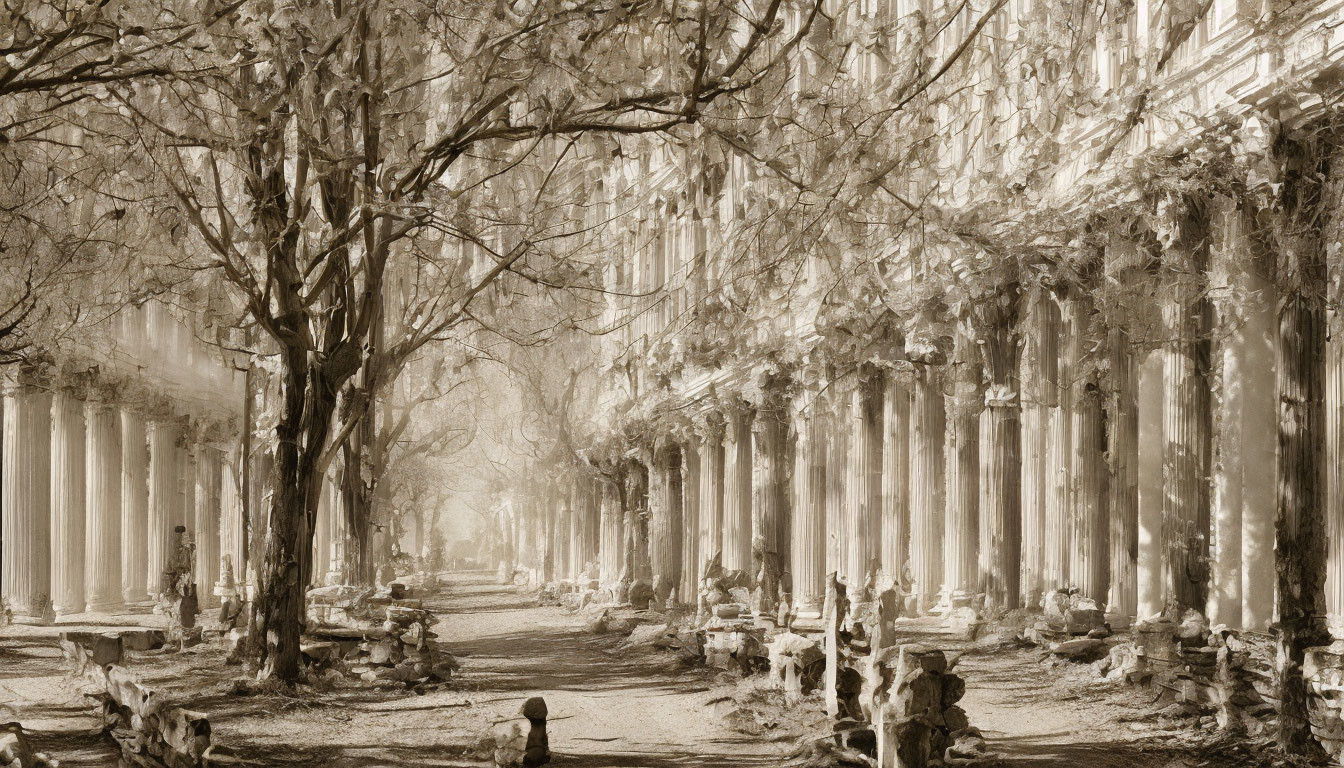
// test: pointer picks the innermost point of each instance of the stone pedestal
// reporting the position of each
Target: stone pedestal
(103, 521)
(67, 504)
(25, 502)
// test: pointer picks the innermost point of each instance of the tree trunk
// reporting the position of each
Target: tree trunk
(307, 404)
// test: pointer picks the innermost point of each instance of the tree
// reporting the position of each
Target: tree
(326, 134)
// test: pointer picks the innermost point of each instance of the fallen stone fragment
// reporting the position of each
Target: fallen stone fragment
(1082, 649)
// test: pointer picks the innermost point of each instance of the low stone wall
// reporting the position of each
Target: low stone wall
(400, 649)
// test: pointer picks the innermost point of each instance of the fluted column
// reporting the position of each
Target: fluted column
(690, 523)
(1151, 588)
(837, 475)
(1186, 418)
(809, 506)
(1090, 556)
(737, 495)
(613, 535)
(205, 527)
(67, 504)
(896, 478)
(769, 549)
(102, 548)
(321, 553)
(163, 499)
(25, 502)
(1040, 367)
(926, 487)
(1057, 545)
(665, 524)
(1123, 456)
(865, 477)
(1259, 483)
(335, 571)
(134, 508)
(1000, 565)
(711, 491)
(232, 533)
(964, 403)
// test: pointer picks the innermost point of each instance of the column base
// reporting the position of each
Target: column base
(63, 610)
(110, 606)
(132, 598)
(32, 621)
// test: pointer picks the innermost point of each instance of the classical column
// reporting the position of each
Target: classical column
(964, 403)
(134, 508)
(205, 527)
(665, 524)
(67, 504)
(711, 435)
(809, 508)
(232, 533)
(1000, 567)
(768, 473)
(335, 571)
(865, 478)
(1151, 580)
(1058, 538)
(926, 487)
(613, 535)
(321, 552)
(102, 548)
(737, 496)
(1123, 456)
(1186, 415)
(896, 478)
(837, 462)
(689, 586)
(1040, 369)
(25, 502)
(1089, 561)
(1258, 481)
(163, 498)
(637, 561)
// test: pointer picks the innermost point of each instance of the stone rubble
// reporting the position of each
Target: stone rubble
(149, 730)
(16, 752)
(400, 650)
(1207, 670)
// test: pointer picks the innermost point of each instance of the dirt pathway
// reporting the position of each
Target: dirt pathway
(610, 707)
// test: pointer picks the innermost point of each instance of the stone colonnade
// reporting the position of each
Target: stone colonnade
(91, 501)
(942, 471)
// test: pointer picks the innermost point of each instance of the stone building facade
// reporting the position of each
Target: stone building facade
(1092, 409)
